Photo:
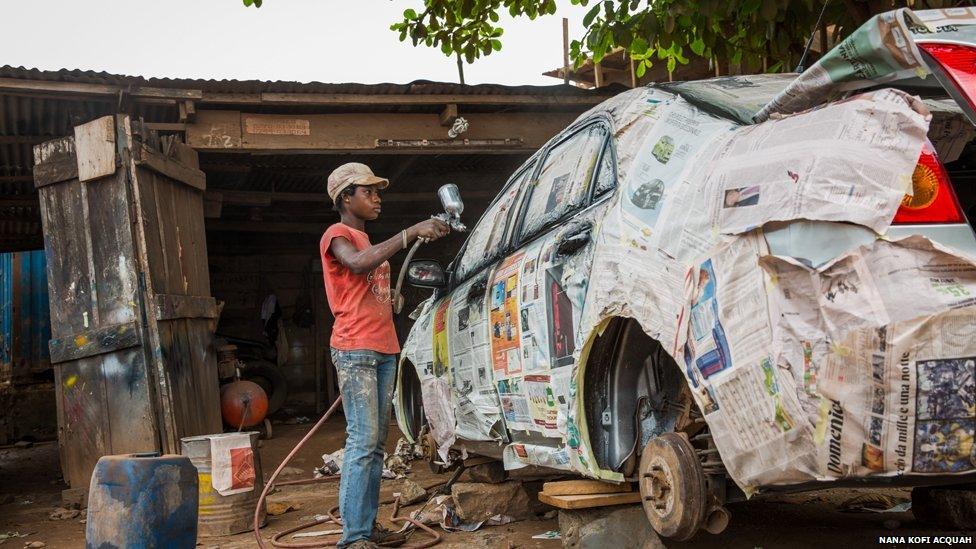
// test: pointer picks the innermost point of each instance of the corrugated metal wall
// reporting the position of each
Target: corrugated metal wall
(25, 317)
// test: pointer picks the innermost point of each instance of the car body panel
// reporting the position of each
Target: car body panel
(751, 253)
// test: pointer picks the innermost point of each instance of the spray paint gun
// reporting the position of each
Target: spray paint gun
(451, 201)
(453, 206)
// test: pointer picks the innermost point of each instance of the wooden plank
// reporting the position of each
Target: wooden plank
(50, 173)
(95, 148)
(584, 487)
(375, 132)
(17, 86)
(356, 99)
(589, 500)
(215, 130)
(54, 161)
(94, 342)
(260, 198)
(166, 126)
(171, 168)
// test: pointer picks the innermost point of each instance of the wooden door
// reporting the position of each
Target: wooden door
(131, 313)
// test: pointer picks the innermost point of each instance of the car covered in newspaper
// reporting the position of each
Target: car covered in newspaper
(726, 287)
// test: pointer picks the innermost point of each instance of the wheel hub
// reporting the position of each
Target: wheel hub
(656, 483)
(672, 486)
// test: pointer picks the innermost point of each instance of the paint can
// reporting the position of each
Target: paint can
(223, 515)
(142, 500)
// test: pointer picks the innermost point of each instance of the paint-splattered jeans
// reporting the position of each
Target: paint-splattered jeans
(366, 381)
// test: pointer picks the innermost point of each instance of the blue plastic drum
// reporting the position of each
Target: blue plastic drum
(143, 501)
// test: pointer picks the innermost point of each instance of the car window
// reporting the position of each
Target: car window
(606, 178)
(486, 237)
(563, 183)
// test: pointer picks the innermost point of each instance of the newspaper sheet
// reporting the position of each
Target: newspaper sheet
(882, 50)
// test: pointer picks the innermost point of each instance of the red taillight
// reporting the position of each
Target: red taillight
(932, 199)
(959, 63)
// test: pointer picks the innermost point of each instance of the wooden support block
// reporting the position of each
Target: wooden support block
(449, 115)
(581, 487)
(589, 500)
(188, 111)
(95, 148)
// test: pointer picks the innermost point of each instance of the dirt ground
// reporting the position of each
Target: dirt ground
(30, 489)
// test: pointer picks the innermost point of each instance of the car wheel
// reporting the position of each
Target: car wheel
(672, 486)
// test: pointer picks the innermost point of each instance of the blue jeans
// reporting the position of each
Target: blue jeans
(366, 380)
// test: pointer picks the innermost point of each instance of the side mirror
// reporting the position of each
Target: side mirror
(426, 273)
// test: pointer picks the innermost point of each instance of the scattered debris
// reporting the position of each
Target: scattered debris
(444, 513)
(411, 492)
(331, 464)
(296, 420)
(11, 535)
(6, 498)
(407, 450)
(551, 534)
(60, 513)
(394, 466)
(276, 508)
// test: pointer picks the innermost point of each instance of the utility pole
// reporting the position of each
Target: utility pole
(566, 50)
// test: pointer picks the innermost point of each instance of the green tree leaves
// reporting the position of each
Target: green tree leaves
(741, 35)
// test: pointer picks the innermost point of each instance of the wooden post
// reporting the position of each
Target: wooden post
(633, 72)
(566, 50)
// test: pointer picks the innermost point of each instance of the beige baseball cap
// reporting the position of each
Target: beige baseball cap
(353, 173)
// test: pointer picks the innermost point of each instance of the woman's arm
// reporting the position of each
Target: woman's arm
(364, 261)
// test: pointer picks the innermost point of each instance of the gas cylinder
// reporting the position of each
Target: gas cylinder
(243, 404)
(142, 500)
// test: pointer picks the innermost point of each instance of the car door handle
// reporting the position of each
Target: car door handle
(574, 239)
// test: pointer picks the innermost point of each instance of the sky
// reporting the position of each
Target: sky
(301, 40)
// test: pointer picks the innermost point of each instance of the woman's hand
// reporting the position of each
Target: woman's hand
(429, 229)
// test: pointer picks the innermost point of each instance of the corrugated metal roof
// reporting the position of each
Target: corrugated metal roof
(418, 87)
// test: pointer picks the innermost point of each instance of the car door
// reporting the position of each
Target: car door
(535, 299)
(461, 320)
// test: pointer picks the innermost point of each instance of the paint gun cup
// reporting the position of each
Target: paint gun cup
(453, 206)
